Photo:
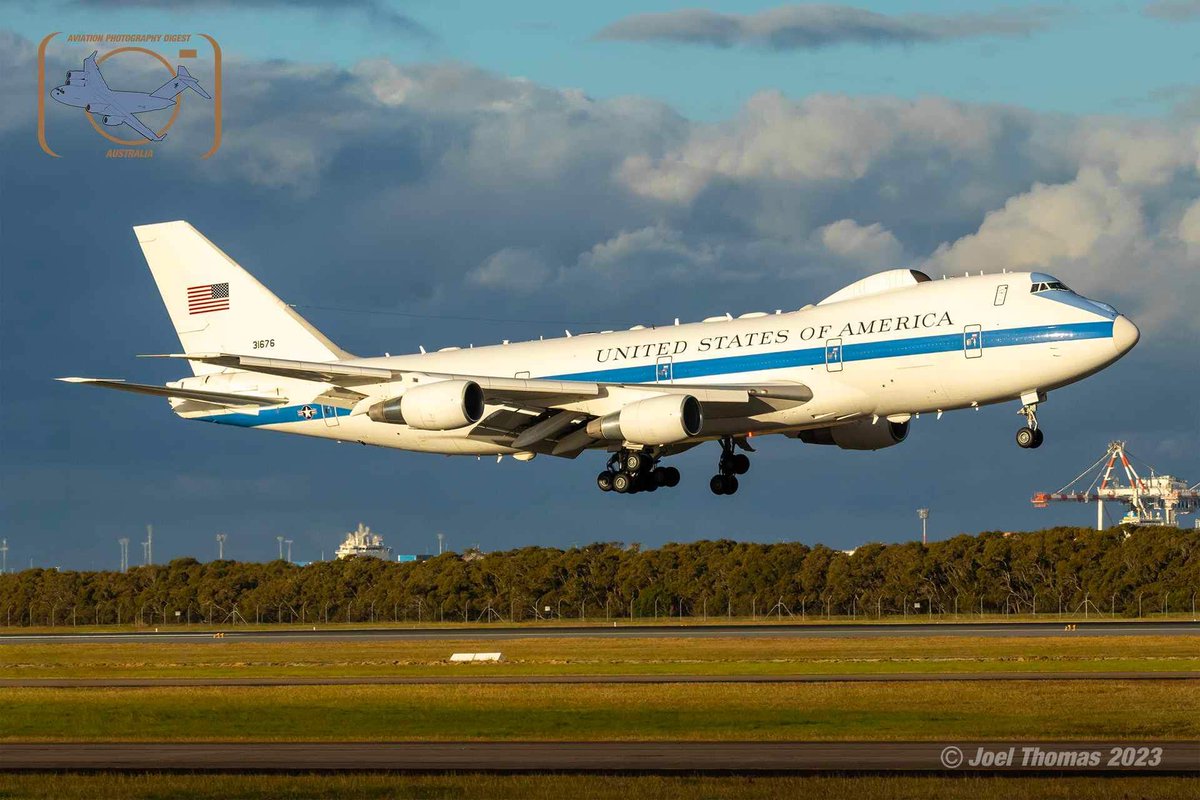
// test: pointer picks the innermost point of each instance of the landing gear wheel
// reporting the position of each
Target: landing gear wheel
(717, 484)
(739, 463)
(670, 477)
(658, 476)
(731, 484)
(635, 462)
(1027, 437)
(605, 481)
(622, 483)
(1038, 437)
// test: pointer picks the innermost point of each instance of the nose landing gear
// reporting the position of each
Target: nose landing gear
(1029, 437)
(633, 471)
(729, 466)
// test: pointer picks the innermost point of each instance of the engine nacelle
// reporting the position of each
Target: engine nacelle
(112, 122)
(441, 406)
(860, 435)
(658, 420)
(76, 77)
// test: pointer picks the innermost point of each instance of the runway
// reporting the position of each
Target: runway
(527, 680)
(620, 630)
(602, 757)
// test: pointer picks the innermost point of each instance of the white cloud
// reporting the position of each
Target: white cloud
(514, 269)
(1188, 230)
(1048, 225)
(866, 244)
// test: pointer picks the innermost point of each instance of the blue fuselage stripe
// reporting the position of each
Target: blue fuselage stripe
(812, 356)
(756, 362)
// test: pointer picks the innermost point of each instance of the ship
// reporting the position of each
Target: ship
(362, 542)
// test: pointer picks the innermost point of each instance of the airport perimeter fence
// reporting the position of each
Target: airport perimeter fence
(147, 615)
(1059, 573)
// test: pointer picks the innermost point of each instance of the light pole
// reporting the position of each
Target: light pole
(221, 537)
(149, 544)
(923, 515)
(288, 542)
(441, 537)
(4, 556)
(280, 540)
(124, 542)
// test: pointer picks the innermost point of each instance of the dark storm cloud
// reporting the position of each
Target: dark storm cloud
(814, 26)
(445, 196)
(1173, 10)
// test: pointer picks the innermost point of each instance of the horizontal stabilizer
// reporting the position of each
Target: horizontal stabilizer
(217, 398)
(182, 80)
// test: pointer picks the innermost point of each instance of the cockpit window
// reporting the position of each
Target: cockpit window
(1046, 286)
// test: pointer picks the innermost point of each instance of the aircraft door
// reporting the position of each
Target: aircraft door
(833, 355)
(664, 370)
(973, 341)
(330, 415)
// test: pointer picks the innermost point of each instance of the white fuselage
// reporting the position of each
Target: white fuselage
(934, 346)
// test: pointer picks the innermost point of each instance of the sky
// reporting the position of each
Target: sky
(434, 174)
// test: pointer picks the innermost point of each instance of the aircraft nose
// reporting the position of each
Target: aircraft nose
(1125, 335)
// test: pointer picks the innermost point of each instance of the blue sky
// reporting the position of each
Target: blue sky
(1091, 58)
(492, 171)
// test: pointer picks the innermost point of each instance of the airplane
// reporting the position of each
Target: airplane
(851, 371)
(87, 89)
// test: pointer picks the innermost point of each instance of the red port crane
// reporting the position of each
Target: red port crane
(1152, 500)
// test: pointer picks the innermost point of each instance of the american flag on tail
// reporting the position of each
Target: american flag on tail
(209, 297)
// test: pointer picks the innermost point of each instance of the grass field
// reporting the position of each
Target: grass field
(608, 656)
(519, 787)
(933, 710)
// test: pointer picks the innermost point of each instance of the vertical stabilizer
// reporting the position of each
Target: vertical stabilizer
(218, 307)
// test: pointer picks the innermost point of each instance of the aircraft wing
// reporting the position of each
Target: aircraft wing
(91, 72)
(132, 121)
(531, 417)
(355, 377)
(216, 398)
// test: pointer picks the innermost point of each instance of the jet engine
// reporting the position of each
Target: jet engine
(113, 121)
(441, 406)
(76, 77)
(658, 420)
(860, 435)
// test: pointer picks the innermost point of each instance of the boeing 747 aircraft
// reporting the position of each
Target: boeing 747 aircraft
(850, 371)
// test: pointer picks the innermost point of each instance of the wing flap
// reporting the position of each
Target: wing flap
(217, 398)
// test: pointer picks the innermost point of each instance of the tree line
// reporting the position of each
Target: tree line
(1059, 570)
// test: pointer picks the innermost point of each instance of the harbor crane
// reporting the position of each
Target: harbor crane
(1152, 500)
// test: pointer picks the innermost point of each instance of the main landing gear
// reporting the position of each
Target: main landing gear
(729, 467)
(1030, 437)
(633, 471)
